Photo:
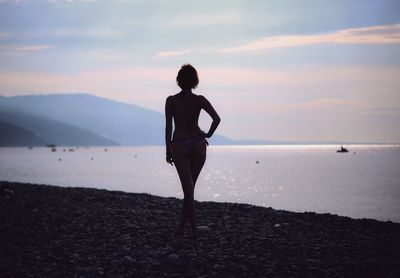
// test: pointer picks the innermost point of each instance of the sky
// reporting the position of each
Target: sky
(282, 70)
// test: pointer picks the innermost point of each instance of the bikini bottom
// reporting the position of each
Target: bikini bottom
(189, 143)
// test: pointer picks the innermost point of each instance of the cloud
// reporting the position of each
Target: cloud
(165, 54)
(23, 48)
(32, 47)
(93, 33)
(385, 34)
(15, 1)
(51, 1)
(205, 19)
(70, 1)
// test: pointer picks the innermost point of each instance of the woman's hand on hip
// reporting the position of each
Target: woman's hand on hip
(169, 158)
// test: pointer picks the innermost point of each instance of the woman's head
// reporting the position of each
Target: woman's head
(187, 77)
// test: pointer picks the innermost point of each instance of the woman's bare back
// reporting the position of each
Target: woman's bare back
(185, 112)
(185, 108)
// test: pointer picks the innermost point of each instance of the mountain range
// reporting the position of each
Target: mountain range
(80, 120)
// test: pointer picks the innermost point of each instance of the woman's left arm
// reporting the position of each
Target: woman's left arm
(206, 105)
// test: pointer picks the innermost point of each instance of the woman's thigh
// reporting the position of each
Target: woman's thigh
(182, 162)
(198, 159)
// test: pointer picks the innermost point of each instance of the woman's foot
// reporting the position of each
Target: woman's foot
(180, 231)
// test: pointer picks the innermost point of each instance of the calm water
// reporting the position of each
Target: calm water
(364, 183)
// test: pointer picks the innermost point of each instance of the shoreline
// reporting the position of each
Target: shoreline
(74, 231)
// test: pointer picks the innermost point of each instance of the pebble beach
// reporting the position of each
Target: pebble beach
(50, 231)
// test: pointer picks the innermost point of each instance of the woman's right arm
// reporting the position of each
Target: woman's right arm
(168, 129)
(206, 105)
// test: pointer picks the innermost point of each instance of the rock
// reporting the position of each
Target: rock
(115, 262)
(203, 229)
(113, 272)
(129, 259)
(35, 210)
(252, 257)
(95, 233)
(218, 266)
(9, 191)
(173, 257)
(243, 268)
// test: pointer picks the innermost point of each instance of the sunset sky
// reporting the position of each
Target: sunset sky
(274, 70)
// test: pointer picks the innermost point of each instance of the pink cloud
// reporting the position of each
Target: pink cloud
(384, 34)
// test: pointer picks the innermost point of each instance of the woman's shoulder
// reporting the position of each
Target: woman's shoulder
(200, 97)
(202, 100)
(174, 96)
(171, 97)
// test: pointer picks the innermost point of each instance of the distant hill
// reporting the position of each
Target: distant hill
(126, 124)
(111, 121)
(24, 129)
(14, 136)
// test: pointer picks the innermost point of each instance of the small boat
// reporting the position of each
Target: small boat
(342, 150)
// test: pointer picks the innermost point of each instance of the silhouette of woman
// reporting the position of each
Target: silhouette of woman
(187, 149)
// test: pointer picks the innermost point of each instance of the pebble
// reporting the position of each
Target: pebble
(204, 229)
(218, 266)
(9, 191)
(173, 257)
(82, 232)
(129, 259)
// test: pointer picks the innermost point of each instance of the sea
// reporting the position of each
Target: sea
(363, 183)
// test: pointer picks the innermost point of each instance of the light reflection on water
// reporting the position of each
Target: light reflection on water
(362, 183)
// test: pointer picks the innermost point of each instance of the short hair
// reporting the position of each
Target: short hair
(187, 77)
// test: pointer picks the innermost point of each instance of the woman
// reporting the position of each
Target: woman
(187, 149)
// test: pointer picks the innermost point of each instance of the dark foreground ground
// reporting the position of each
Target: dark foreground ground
(48, 231)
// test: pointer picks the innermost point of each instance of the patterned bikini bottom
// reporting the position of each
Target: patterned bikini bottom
(189, 143)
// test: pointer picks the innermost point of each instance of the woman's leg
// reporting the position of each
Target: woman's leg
(182, 161)
(198, 159)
